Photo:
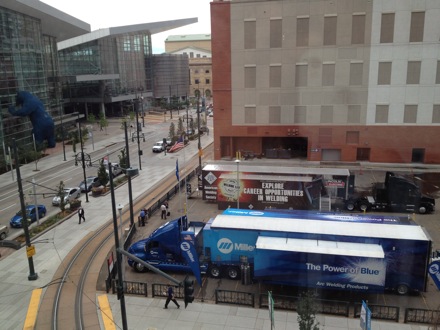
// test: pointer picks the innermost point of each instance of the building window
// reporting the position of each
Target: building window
(191, 55)
(137, 43)
(198, 55)
(299, 115)
(196, 71)
(302, 32)
(275, 115)
(356, 70)
(326, 114)
(382, 114)
(207, 81)
(276, 33)
(328, 74)
(206, 71)
(250, 34)
(127, 44)
(384, 73)
(250, 115)
(330, 30)
(354, 114)
(436, 114)
(387, 28)
(197, 81)
(352, 137)
(301, 75)
(437, 76)
(413, 72)
(250, 77)
(275, 76)
(410, 114)
(417, 26)
(358, 29)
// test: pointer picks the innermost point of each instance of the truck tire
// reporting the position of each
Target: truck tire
(422, 209)
(233, 273)
(350, 206)
(402, 289)
(2, 236)
(138, 267)
(214, 271)
(364, 206)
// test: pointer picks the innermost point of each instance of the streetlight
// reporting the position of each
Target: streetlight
(120, 285)
(120, 207)
(82, 158)
(237, 161)
(199, 184)
(29, 248)
(130, 197)
(138, 130)
(62, 132)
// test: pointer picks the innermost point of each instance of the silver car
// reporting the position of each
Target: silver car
(69, 195)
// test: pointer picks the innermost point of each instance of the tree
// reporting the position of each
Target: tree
(123, 159)
(60, 194)
(306, 310)
(103, 122)
(172, 131)
(102, 174)
(91, 119)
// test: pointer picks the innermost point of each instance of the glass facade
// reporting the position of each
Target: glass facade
(28, 62)
(126, 56)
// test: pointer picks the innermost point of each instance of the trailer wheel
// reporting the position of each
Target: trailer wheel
(139, 267)
(215, 272)
(2, 236)
(402, 289)
(422, 209)
(233, 273)
(363, 206)
(350, 206)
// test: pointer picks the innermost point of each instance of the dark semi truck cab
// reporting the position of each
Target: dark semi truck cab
(396, 194)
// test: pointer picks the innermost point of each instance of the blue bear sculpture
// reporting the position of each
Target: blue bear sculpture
(42, 122)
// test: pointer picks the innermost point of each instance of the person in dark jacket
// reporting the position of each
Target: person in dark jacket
(170, 297)
(81, 215)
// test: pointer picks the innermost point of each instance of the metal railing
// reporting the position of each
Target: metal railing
(381, 312)
(234, 297)
(426, 316)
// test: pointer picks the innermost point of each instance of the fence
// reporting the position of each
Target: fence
(136, 288)
(422, 316)
(234, 297)
(382, 312)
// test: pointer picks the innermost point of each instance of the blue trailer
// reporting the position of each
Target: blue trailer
(366, 253)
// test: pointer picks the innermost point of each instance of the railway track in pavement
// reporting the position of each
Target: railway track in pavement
(70, 301)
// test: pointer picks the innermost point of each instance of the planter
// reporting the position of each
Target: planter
(98, 191)
(75, 204)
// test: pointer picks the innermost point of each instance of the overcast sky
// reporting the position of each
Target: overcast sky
(110, 13)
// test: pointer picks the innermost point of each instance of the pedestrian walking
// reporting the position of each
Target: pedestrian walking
(142, 216)
(167, 206)
(81, 215)
(163, 214)
(170, 297)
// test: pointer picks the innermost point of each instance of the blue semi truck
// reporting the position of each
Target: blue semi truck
(365, 253)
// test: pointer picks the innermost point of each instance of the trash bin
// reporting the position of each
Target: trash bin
(245, 274)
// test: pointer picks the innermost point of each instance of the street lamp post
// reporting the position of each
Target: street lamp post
(120, 283)
(237, 161)
(32, 275)
(130, 197)
(136, 108)
(62, 133)
(120, 207)
(82, 158)
(198, 133)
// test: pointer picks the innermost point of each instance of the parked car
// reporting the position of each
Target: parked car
(4, 230)
(69, 195)
(91, 181)
(31, 215)
(116, 169)
(159, 146)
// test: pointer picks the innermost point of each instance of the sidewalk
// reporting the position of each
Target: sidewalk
(143, 313)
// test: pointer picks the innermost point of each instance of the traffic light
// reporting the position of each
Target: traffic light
(188, 289)
(188, 188)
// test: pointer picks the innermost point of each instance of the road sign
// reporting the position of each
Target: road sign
(30, 251)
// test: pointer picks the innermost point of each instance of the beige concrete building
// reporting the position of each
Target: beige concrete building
(198, 49)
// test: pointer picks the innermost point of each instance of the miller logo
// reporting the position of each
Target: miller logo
(225, 245)
(184, 246)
